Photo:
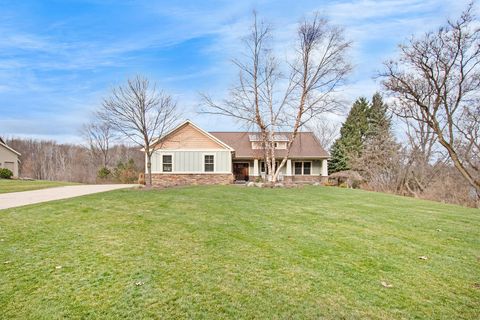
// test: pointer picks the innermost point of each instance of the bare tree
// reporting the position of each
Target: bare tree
(268, 102)
(326, 131)
(436, 81)
(99, 137)
(141, 113)
(422, 158)
(49, 160)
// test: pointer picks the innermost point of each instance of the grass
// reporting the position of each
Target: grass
(7, 185)
(234, 252)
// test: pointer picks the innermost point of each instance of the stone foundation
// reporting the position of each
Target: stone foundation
(171, 180)
(304, 179)
(294, 179)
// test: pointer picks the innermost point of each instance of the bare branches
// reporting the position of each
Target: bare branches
(99, 136)
(141, 113)
(436, 82)
(269, 101)
(326, 131)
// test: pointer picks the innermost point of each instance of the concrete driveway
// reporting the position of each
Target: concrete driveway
(17, 199)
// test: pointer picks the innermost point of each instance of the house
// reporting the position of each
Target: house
(9, 158)
(190, 155)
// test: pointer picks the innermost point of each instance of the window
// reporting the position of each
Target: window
(298, 168)
(209, 162)
(307, 166)
(167, 163)
(303, 168)
(262, 166)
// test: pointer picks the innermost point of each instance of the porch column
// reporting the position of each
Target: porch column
(289, 168)
(324, 168)
(255, 168)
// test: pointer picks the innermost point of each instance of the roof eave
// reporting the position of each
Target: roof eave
(11, 149)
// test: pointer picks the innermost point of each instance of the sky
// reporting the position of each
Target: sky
(59, 58)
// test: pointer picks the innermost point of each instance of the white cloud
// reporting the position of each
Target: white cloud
(70, 73)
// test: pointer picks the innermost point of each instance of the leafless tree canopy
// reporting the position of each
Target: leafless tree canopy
(268, 101)
(435, 83)
(139, 112)
(99, 137)
(325, 130)
(49, 160)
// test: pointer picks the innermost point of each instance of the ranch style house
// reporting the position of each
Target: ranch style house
(190, 155)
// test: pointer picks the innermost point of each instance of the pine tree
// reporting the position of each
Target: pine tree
(378, 119)
(379, 157)
(352, 136)
(338, 161)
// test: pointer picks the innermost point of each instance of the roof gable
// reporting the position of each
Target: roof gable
(188, 136)
(4, 145)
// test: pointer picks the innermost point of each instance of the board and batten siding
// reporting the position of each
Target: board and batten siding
(316, 167)
(192, 161)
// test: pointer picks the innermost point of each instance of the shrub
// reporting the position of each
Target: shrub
(141, 178)
(5, 173)
(126, 172)
(104, 173)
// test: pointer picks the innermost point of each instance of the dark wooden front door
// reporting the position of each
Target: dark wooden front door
(240, 171)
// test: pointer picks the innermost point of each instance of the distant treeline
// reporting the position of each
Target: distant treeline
(49, 160)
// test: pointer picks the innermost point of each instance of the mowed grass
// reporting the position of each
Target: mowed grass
(10, 185)
(244, 253)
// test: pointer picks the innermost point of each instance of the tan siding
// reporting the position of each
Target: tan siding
(8, 160)
(188, 137)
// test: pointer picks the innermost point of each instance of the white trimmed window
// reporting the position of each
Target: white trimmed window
(263, 168)
(303, 168)
(209, 163)
(167, 163)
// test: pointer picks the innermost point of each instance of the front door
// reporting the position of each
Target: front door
(240, 171)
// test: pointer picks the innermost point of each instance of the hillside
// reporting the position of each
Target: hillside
(235, 252)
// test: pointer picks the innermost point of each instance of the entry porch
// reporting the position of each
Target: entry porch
(294, 170)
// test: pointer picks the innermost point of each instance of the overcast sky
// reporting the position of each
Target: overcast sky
(58, 58)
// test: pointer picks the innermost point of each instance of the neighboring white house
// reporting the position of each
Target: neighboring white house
(9, 158)
(190, 155)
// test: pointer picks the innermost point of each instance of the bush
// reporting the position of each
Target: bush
(141, 178)
(343, 185)
(5, 173)
(126, 172)
(104, 173)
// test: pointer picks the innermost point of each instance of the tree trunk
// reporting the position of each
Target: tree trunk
(457, 163)
(149, 169)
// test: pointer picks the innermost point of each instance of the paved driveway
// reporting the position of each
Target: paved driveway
(17, 199)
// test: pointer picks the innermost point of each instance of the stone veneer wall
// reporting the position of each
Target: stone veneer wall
(296, 179)
(308, 179)
(175, 179)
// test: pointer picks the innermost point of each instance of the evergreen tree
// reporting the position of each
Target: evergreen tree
(338, 160)
(380, 154)
(352, 136)
(378, 119)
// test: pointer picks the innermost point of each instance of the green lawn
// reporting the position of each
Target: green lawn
(235, 252)
(25, 185)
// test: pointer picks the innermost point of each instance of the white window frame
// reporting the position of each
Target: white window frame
(277, 163)
(203, 162)
(303, 169)
(161, 162)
